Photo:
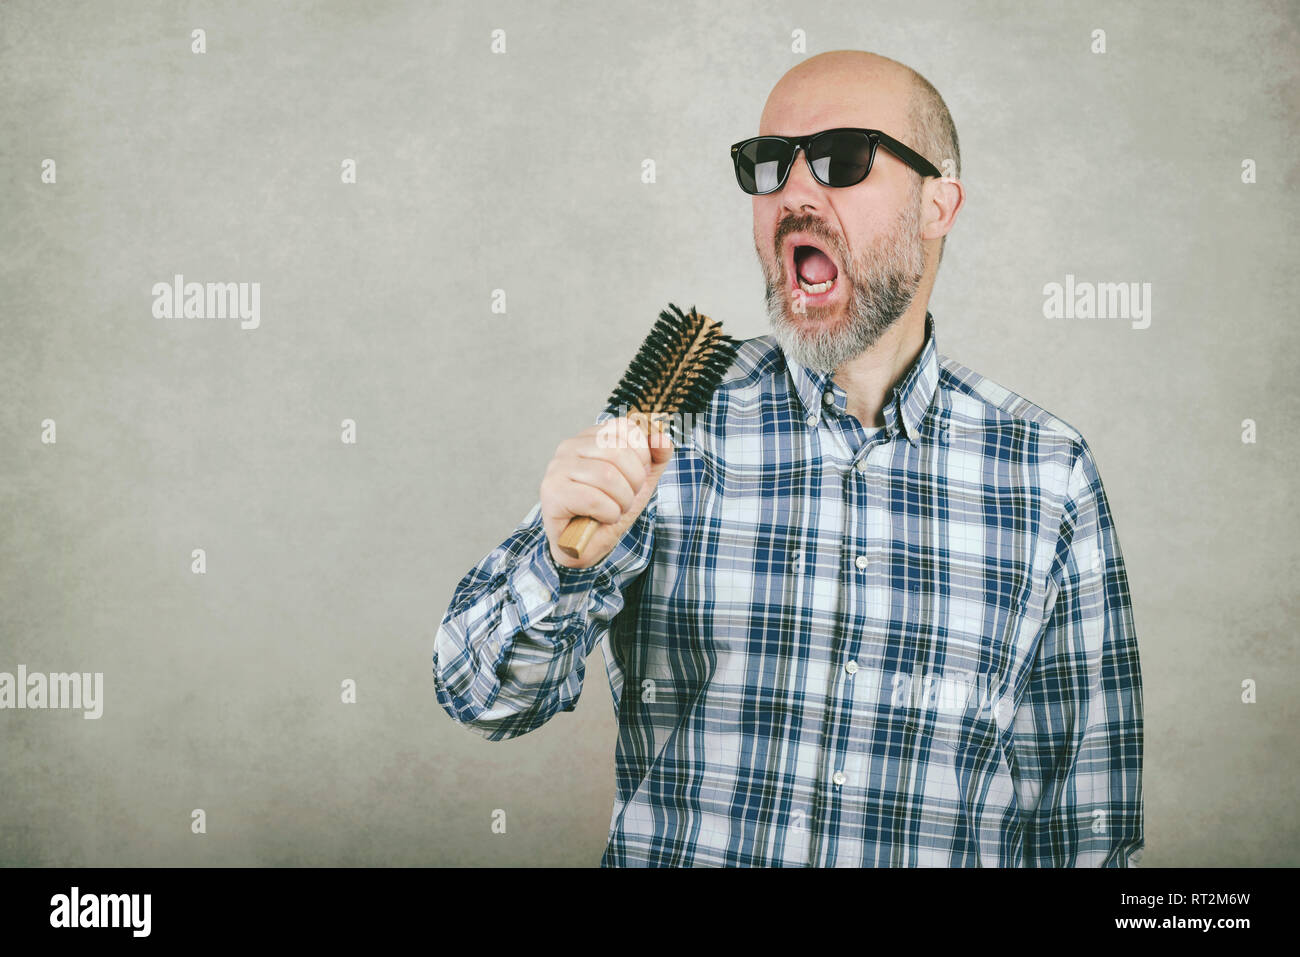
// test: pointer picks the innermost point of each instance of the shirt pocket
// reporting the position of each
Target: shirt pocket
(951, 733)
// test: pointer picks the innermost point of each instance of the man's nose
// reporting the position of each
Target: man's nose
(801, 189)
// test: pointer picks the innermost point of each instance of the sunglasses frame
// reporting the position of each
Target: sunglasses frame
(796, 143)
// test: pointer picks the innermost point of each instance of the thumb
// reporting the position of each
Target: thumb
(661, 447)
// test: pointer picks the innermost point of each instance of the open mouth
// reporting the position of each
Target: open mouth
(813, 268)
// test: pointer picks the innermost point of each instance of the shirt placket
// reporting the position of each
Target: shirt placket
(863, 613)
(840, 559)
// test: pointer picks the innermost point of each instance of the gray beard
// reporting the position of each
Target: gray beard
(884, 280)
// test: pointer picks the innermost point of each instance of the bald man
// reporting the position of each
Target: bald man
(873, 610)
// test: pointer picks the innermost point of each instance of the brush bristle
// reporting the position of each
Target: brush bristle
(678, 368)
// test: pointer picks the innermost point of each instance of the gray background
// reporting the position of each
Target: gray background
(522, 171)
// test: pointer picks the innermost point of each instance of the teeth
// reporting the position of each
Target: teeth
(815, 289)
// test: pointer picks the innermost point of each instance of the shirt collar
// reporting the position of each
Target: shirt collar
(905, 406)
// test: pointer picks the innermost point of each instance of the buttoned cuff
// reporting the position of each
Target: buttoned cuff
(542, 588)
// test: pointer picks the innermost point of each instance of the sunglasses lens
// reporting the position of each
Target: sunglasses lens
(841, 159)
(761, 165)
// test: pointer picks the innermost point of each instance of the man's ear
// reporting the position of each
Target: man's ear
(940, 202)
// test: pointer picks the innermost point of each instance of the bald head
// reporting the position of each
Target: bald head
(842, 82)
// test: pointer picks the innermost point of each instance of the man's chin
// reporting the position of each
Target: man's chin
(816, 321)
(805, 340)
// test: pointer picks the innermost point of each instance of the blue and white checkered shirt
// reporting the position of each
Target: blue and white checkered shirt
(836, 645)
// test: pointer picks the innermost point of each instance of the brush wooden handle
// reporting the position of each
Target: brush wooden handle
(577, 534)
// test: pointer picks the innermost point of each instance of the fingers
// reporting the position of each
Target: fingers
(602, 471)
(625, 446)
(629, 434)
(582, 499)
(609, 478)
(623, 433)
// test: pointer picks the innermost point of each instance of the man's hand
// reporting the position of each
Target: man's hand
(608, 472)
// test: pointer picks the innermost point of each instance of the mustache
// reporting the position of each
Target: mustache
(812, 225)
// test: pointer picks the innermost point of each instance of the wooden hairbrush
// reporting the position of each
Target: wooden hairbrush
(677, 370)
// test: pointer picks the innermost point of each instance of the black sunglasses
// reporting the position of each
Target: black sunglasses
(838, 157)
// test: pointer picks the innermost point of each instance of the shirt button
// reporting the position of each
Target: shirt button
(829, 398)
(839, 778)
(812, 420)
(860, 561)
(861, 466)
(851, 667)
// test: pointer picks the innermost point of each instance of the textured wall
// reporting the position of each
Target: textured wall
(521, 171)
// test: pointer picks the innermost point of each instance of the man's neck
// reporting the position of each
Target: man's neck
(868, 377)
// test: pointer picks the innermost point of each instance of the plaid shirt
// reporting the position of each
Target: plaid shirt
(830, 645)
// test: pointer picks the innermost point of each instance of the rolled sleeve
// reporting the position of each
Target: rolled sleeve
(543, 589)
(511, 649)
